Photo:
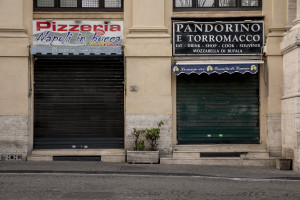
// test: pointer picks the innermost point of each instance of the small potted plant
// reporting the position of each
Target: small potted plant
(152, 135)
(139, 143)
(139, 155)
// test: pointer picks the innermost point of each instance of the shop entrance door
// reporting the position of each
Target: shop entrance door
(78, 102)
(218, 108)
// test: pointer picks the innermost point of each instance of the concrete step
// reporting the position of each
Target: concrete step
(222, 148)
(107, 155)
(230, 161)
(196, 154)
(39, 158)
(256, 155)
(77, 152)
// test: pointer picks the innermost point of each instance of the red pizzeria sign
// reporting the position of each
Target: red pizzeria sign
(77, 37)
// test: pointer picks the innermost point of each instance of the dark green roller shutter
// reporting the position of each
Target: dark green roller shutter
(78, 102)
(218, 108)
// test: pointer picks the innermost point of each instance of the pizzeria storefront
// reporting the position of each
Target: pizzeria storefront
(78, 84)
(217, 67)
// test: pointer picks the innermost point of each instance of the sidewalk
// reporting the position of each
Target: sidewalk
(143, 169)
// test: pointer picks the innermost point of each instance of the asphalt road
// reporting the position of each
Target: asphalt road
(135, 187)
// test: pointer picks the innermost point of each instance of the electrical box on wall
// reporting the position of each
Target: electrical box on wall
(133, 88)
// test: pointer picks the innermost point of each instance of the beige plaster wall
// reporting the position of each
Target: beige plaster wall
(148, 54)
(280, 13)
(15, 22)
(148, 17)
(14, 85)
(216, 14)
(275, 84)
(79, 15)
(14, 46)
(153, 77)
(137, 46)
(14, 76)
(276, 20)
(11, 14)
(263, 98)
(153, 82)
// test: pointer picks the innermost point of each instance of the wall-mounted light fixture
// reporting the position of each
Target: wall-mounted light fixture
(78, 21)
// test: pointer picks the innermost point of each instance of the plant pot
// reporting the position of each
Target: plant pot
(283, 163)
(143, 157)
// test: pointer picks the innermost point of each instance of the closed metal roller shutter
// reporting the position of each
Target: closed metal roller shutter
(218, 108)
(78, 102)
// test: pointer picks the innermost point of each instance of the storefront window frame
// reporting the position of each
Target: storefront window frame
(238, 7)
(79, 7)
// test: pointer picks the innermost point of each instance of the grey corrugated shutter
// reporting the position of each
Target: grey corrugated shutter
(79, 102)
(218, 108)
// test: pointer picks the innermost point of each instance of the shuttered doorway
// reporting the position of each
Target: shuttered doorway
(78, 102)
(218, 108)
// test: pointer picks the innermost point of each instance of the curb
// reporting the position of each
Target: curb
(102, 172)
(141, 173)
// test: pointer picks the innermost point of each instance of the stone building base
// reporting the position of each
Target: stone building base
(150, 121)
(14, 137)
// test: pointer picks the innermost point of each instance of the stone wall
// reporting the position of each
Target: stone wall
(290, 124)
(274, 135)
(292, 8)
(14, 135)
(150, 121)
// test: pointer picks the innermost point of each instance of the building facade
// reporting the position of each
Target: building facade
(78, 76)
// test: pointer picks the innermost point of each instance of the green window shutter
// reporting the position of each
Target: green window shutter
(218, 108)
